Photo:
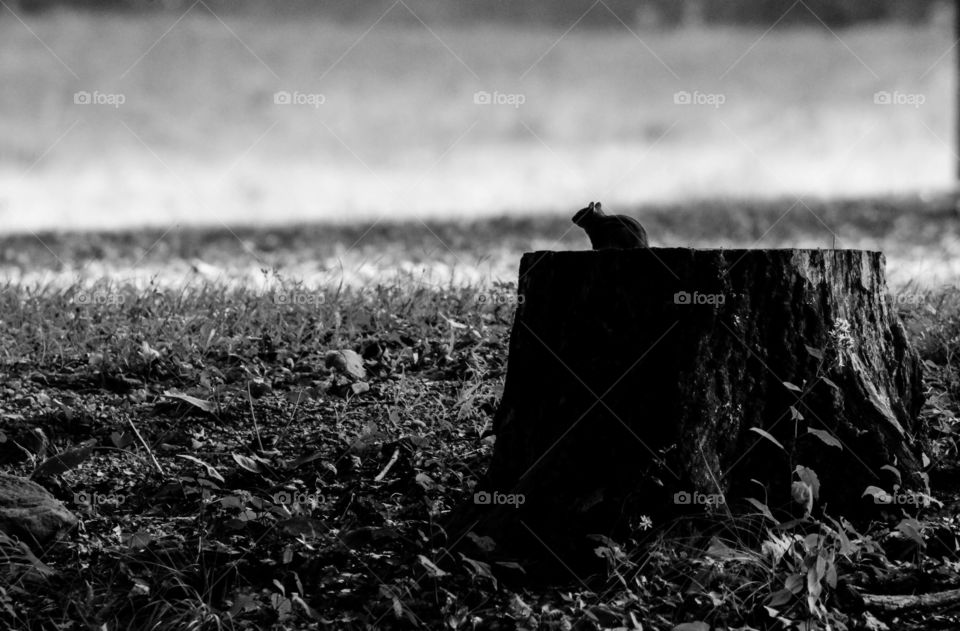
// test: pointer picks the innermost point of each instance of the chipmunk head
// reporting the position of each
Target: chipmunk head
(585, 215)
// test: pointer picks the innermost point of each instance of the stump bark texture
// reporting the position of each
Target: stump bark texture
(662, 381)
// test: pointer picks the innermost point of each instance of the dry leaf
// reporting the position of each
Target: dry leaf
(347, 362)
(207, 406)
(66, 460)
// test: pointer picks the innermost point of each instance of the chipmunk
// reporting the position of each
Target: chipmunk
(610, 231)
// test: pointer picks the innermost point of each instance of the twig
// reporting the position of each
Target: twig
(924, 602)
(393, 460)
(253, 416)
(146, 446)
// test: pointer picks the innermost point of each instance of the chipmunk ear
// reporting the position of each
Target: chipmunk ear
(596, 206)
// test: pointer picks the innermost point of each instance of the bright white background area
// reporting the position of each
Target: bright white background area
(199, 138)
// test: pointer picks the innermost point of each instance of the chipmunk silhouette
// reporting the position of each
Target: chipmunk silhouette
(610, 231)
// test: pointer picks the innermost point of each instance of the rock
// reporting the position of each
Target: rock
(29, 511)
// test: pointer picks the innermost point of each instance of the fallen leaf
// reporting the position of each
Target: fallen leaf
(360, 387)
(211, 471)
(201, 404)
(826, 437)
(66, 460)
(249, 464)
(768, 436)
(347, 362)
(148, 354)
(303, 526)
(431, 567)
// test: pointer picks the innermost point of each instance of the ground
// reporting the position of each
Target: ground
(240, 480)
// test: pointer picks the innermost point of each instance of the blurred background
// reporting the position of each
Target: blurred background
(169, 114)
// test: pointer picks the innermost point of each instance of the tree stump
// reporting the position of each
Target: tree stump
(638, 379)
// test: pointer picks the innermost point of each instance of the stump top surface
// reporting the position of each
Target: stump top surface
(695, 258)
(728, 251)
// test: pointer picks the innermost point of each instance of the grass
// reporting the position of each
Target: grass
(431, 388)
(199, 140)
(104, 332)
(102, 335)
(211, 543)
(918, 234)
